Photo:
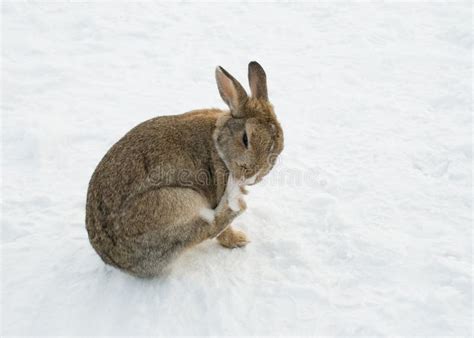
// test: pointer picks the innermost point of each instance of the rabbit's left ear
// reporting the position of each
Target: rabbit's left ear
(258, 81)
(231, 91)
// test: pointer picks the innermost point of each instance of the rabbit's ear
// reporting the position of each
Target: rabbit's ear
(231, 91)
(258, 81)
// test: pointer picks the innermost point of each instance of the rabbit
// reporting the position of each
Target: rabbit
(174, 181)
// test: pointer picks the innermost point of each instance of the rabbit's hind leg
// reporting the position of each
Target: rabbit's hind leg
(158, 225)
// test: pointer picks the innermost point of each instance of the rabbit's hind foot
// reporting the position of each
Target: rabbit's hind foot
(231, 238)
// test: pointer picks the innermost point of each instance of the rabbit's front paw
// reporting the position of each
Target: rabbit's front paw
(235, 196)
(237, 204)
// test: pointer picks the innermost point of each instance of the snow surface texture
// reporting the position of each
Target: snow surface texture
(364, 226)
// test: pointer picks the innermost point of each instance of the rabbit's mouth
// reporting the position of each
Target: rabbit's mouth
(247, 176)
(243, 181)
(251, 180)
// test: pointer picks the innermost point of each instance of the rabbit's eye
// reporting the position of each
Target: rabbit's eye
(245, 140)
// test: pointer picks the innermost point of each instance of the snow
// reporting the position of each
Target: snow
(363, 228)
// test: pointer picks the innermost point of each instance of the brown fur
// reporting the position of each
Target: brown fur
(146, 196)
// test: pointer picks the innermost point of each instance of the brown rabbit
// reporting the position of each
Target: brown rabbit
(174, 181)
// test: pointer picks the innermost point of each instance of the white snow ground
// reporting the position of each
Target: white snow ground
(364, 228)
